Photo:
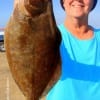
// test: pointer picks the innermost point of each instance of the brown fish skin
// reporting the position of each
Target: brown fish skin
(32, 46)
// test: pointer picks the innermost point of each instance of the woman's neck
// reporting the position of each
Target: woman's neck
(79, 27)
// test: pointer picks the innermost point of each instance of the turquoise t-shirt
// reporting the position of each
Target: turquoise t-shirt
(80, 77)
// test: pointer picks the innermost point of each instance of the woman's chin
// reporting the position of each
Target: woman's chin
(78, 16)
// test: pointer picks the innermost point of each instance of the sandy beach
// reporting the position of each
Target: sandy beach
(8, 88)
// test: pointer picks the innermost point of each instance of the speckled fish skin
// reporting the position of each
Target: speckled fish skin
(32, 46)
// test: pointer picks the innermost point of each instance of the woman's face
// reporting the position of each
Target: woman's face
(77, 8)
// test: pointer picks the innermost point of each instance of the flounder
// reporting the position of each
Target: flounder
(32, 47)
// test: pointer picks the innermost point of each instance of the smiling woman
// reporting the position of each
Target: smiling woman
(79, 50)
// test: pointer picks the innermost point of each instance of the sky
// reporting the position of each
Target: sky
(6, 9)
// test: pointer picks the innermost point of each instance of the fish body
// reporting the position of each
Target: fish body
(32, 47)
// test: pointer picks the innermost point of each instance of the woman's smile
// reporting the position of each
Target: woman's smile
(77, 5)
(77, 8)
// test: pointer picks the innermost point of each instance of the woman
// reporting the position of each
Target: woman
(80, 54)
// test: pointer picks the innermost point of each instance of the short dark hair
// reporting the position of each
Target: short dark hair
(95, 2)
